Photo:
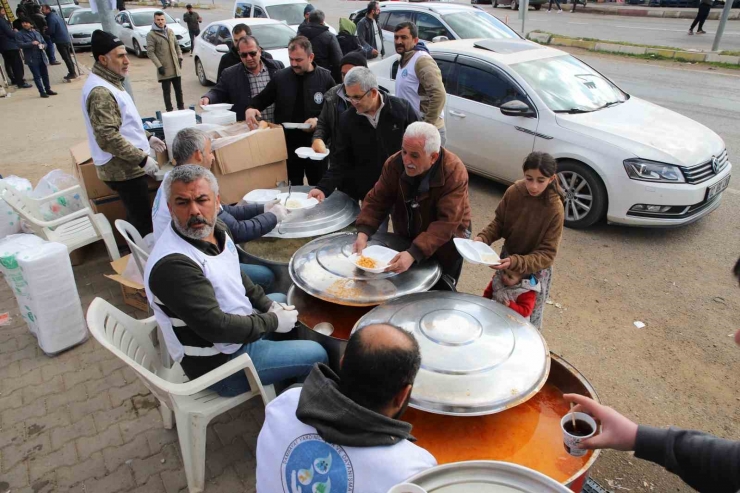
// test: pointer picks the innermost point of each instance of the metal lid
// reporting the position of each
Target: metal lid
(321, 269)
(477, 356)
(336, 212)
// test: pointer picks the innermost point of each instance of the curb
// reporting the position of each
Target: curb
(606, 47)
(714, 15)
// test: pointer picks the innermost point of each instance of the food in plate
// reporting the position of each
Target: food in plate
(489, 258)
(367, 262)
(293, 204)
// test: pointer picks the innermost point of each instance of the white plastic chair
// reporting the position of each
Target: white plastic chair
(194, 405)
(75, 230)
(137, 245)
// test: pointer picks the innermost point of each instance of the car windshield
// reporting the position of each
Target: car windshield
(292, 13)
(67, 11)
(84, 18)
(147, 18)
(273, 36)
(568, 85)
(478, 24)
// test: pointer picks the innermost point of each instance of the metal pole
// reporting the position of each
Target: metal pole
(523, 10)
(74, 53)
(722, 22)
(105, 11)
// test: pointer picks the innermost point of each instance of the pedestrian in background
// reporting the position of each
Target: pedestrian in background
(39, 20)
(192, 20)
(348, 40)
(326, 50)
(20, 14)
(369, 33)
(163, 49)
(120, 5)
(11, 52)
(704, 7)
(58, 35)
(32, 44)
(549, 7)
(306, 12)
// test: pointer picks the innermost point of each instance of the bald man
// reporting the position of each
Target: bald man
(344, 432)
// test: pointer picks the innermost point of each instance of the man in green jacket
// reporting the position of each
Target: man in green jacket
(163, 49)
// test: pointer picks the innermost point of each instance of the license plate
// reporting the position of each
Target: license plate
(718, 187)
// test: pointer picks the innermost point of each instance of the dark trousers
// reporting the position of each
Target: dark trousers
(193, 35)
(50, 49)
(135, 197)
(549, 7)
(40, 76)
(177, 84)
(14, 66)
(297, 167)
(701, 16)
(65, 51)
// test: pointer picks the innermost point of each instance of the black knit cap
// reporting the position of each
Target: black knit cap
(308, 9)
(356, 58)
(103, 43)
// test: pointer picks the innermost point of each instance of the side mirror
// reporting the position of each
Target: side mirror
(178, 21)
(126, 25)
(222, 48)
(517, 108)
(438, 39)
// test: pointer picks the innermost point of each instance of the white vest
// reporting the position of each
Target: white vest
(291, 457)
(223, 273)
(131, 126)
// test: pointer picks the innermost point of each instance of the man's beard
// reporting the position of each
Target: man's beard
(193, 233)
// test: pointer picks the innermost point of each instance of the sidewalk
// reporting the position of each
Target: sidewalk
(83, 422)
(644, 11)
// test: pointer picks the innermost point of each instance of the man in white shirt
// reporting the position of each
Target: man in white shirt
(343, 433)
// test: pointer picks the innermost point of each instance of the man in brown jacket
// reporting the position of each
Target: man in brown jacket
(424, 188)
(163, 49)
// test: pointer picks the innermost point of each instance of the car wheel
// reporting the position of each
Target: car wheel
(537, 7)
(137, 50)
(201, 73)
(495, 3)
(514, 5)
(585, 194)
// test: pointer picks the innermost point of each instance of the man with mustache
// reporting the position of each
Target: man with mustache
(208, 310)
(345, 430)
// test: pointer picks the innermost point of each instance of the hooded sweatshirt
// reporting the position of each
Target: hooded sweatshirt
(326, 49)
(316, 436)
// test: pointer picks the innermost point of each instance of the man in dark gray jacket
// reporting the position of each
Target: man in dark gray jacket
(11, 52)
(56, 30)
(369, 31)
(326, 50)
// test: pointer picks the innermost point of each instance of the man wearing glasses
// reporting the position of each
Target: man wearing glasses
(240, 83)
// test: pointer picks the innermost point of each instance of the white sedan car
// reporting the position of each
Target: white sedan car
(619, 157)
(136, 24)
(210, 45)
(81, 25)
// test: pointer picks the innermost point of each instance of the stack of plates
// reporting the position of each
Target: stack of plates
(173, 122)
(218, 117)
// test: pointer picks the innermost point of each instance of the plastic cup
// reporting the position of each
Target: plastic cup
(571, 438)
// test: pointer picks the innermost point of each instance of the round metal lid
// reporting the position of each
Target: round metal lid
(477, 356)
(336, 212)
(321, 269)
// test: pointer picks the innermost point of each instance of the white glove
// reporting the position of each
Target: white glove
(286, 320)
(157, 144)
(151, 168)
(279, 306)
(279, 210)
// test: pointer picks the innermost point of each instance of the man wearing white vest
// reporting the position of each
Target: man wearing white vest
(208, 310)
(419, 79)
(344, 433)
(118, 142)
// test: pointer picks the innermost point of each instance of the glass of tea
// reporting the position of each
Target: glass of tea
(585, 427)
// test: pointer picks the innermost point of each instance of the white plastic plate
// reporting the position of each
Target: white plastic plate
(380, 254)
(301, 126)
(217, 107)
(308, 153)
(298, 201)
(476, 252)
(261, 196)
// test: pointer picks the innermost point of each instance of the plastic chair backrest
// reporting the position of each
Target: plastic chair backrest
(137, 245)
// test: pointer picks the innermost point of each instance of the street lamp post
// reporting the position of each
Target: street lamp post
(722, 22)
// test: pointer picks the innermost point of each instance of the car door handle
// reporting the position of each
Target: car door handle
(455, 113)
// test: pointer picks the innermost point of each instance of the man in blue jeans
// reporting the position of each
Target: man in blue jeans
(208, 310)
(33, 46)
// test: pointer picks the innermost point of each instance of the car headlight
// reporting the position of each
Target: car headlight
(640, 169)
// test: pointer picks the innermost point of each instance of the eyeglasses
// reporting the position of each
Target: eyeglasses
(253, 54)
(357, 99)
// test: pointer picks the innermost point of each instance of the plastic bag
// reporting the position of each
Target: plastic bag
(10, 222)
(56, 181)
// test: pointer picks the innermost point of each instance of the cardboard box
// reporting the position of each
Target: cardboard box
(133, 291)
(112, 208)
(84, 170)
(248, 161)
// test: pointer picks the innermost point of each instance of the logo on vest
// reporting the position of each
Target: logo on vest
(405, 72)
(312, 465)
(230, 245)
(318, 98)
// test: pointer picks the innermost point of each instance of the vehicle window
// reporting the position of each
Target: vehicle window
(430, 27)
(223, 34)
(383, 18)
(397, 17)
(273, 36)
(243, 10)
(147, 18)
(259, 13)
(479, 24)
(125, 18)
(565, 83)
(483, 86)
(67, 11)
(292, 13)
(84, 18)
(210, 35)
(447, 68)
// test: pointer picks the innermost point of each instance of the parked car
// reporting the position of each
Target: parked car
(136, 23)
(513, 4)
(619, 157)
(272, 35)
(289, 11)
(81, 25)
(437, 21)
(66, 10)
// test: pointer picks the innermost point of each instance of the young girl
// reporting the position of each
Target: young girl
(512, 289)
(530, 218)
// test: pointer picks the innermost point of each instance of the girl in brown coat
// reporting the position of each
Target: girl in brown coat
(530, 218)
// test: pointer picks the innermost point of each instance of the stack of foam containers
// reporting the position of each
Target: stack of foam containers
(11, 247)
(173, 122)
(220, 117)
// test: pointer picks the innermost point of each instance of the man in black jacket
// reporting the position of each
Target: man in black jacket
(369, 32)
(240, 83)
(298, 96)
(368, 134)
(231, 58)
(326, 50)
(11, 52)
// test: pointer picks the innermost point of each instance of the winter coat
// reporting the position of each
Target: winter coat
(521, 297)
(366, 30)
(39, 21)
(247, 222)
(164, 50)
(32, 54)
(56, 30)
(233, 87)
(328, 122)
(7, 36)
(232, 58)
(430, 215)
(361, 150)
(191, 20)
(326, 50)
(348, 39)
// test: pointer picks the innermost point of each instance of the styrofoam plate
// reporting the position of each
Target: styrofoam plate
(261, 196)
(476, 252)
(299, 201)
(380, 254)
(308, 153)
(217, 107)
(302, 126)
